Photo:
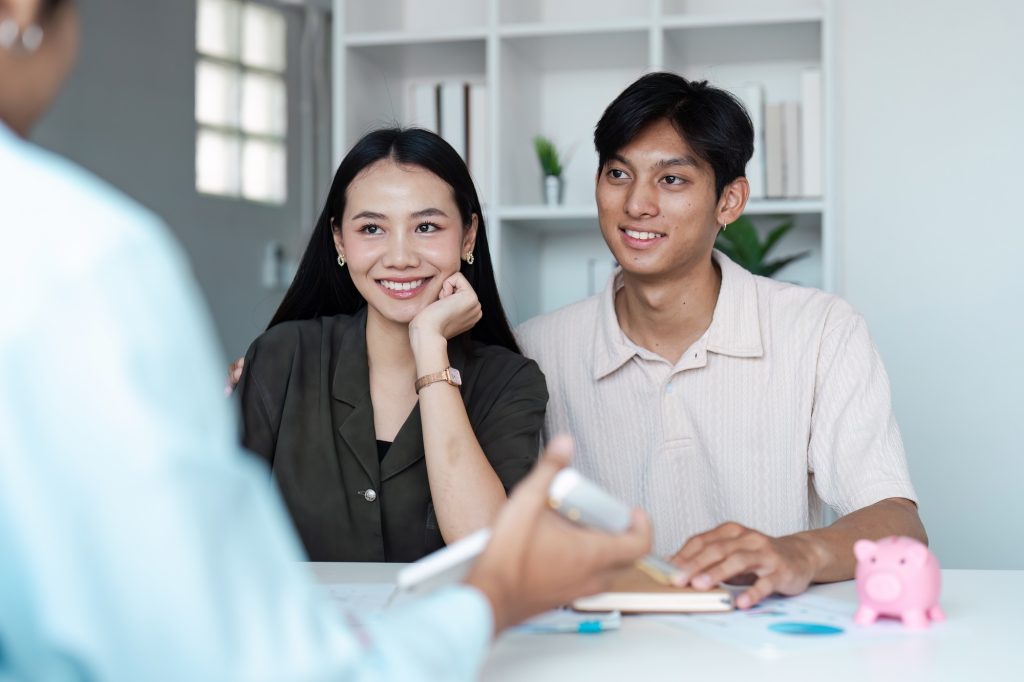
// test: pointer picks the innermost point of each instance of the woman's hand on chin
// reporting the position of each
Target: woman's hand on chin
(456, 310)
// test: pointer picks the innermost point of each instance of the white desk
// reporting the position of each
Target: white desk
(982, 639)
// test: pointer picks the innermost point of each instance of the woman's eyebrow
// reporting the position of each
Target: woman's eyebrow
(428, 213)
(369, 214)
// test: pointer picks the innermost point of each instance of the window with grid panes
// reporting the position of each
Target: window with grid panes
(241, 104)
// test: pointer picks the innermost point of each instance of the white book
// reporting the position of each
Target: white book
(453, 115)
(753, 100)
(479, 145)
(422, 110)
(791, 170)
(812, 143)
(773, 151)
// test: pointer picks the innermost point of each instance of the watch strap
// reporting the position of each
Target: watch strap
(444, 375)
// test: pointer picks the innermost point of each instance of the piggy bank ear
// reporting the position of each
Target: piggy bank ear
(863, 549)
(916, 554)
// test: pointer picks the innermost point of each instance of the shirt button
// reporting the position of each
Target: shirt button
(668, 389)
(369, 494)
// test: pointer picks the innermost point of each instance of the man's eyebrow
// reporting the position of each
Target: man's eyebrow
(686, 160)
(429, 213)
(369, 214)
(677, 161)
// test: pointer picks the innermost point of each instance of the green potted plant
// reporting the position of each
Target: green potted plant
(551, 167)
(742, 244)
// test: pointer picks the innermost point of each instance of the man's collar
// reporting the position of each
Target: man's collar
(735, 325)
(611, 347)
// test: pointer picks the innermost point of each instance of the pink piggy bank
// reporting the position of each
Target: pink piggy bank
(899, 577)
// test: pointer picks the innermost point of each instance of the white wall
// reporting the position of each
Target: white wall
(127, 114)
(931, 103)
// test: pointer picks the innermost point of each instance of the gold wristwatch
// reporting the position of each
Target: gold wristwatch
(448, 374)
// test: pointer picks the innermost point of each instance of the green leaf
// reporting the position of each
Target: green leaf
(775, 235)
(769, 269)
(726, 248)
(743, 237)
(547, 155)
(742, 243)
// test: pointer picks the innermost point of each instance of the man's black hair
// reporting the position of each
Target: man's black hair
(711, 121)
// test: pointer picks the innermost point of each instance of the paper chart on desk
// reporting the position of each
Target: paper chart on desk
(782, 625)
(361, 598)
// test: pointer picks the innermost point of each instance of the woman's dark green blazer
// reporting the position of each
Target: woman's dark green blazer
(306, 410)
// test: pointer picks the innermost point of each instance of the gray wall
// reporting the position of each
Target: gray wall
(127, 114)
(931, 102)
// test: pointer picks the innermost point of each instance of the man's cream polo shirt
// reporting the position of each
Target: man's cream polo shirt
(783, 404)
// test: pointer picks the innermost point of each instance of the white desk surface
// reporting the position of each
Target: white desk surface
(982, 639)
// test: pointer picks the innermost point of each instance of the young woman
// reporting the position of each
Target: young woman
(388, 394)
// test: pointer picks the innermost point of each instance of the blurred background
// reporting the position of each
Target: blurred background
(889, 140)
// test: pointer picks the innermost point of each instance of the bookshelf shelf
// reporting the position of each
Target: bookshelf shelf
(550, 67)
(545, 212)
(595, 29)
(389, 38)
(783, 206)
(754, 207)
(719, 20)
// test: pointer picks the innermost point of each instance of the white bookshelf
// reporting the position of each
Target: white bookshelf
(551, 67)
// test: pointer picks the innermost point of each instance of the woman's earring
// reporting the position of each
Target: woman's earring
(13, 38)
(725, 225)
(469, 258)
(341, 260)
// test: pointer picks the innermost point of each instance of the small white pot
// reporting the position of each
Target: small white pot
(554, 190)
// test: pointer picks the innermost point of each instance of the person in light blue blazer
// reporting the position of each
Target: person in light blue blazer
(136, 540)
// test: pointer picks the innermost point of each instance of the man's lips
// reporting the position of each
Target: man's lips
(640, 239)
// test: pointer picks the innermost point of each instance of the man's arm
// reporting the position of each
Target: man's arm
(834, 544)
(859, 468)
(789, 564)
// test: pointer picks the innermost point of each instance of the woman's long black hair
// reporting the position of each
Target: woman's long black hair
(321, 288)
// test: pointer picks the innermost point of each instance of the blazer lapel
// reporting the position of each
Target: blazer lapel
(352, 409)
(407, 448)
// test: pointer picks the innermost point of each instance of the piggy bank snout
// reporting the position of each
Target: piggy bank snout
(883, 587)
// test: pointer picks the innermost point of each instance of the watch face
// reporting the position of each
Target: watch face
(454, 378)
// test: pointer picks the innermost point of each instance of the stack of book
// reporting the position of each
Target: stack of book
(788, 145)
(457, 111)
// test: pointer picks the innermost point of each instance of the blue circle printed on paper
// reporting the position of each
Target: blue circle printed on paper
(792, 628)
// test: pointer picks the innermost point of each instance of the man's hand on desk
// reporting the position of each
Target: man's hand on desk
(536, 560)
(789, 564)
(786, 565)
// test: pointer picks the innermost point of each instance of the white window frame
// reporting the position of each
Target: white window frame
(237, 131)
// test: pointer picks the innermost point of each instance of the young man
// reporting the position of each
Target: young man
(710, 397)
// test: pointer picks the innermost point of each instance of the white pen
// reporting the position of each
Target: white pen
(661, 570)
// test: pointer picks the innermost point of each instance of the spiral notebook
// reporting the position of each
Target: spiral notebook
(633, 591)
